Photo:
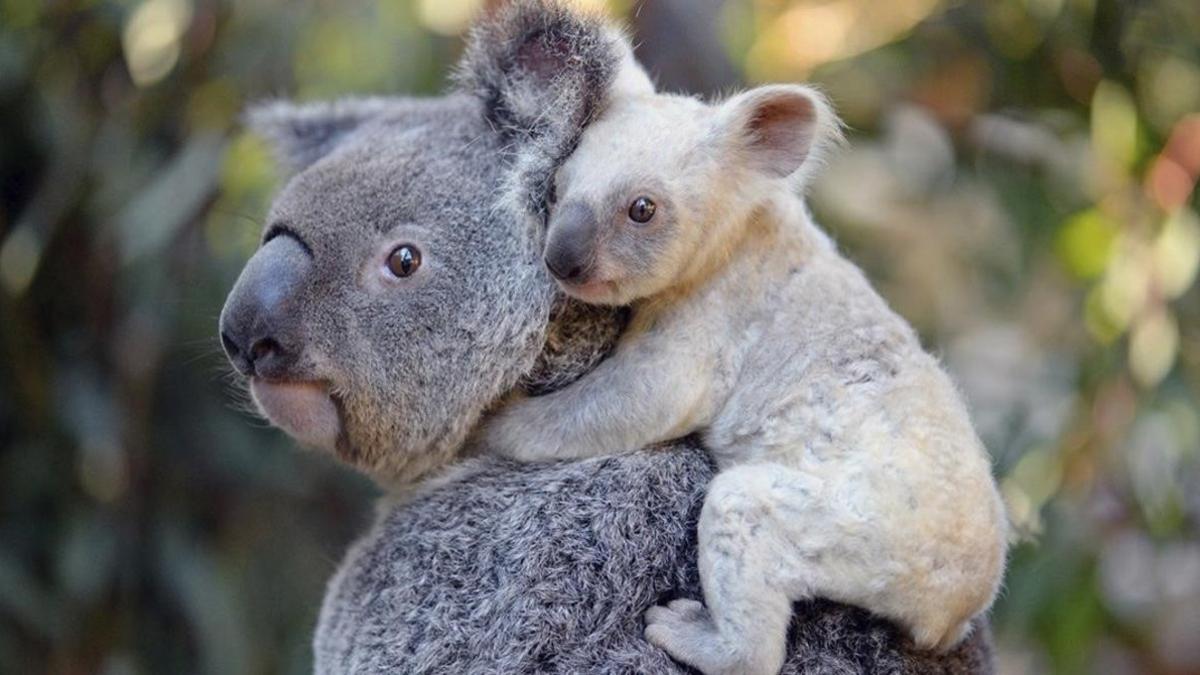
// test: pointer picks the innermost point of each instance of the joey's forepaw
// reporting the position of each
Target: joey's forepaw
(685, 630)
(506, 435)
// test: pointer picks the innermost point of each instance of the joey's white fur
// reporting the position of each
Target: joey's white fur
(849, 466)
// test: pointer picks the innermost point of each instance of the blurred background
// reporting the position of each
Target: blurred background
(1020, 183)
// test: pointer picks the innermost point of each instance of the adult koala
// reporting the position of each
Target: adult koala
(399, 293)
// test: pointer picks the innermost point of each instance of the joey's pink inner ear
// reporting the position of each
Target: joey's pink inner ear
(779, 125)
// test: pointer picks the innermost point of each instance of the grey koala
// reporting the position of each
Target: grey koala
(398, 293)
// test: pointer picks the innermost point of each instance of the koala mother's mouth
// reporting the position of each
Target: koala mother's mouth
(306, 411)
(592, 292)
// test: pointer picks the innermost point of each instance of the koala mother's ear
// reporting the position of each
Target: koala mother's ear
(542, 68)
(779, 129)
(302, 133)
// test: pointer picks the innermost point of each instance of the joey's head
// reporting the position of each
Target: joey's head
(659, 186)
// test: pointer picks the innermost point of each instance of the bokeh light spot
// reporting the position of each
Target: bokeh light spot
(1114, 124)
(1085, 243)
(151, 39)
(1152, 347)
(1177, 253)
(19, 256)
(447, 17)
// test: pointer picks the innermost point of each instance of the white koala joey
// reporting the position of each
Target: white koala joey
(848, 465)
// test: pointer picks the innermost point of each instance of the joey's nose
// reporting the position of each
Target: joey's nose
(571, 243)
(260, 322)
(565, 269)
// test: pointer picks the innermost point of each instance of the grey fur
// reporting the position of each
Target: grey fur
(579, 337)
(505, 568)
(542, 72)
(401, 175)
(300, 135)
(491, 567)
(512, 64)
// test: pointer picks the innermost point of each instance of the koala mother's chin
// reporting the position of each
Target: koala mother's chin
(303, 410)
(595, 292)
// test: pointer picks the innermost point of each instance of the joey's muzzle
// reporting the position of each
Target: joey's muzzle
(571, 243)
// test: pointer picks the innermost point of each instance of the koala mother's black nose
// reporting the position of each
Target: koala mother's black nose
(261, 318)
(263, 355)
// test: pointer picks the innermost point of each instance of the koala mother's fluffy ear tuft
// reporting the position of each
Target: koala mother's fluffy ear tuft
(541, 67)
(541, 71)
(302, 133)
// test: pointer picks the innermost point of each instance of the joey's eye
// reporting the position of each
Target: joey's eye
(641, 210)
(404, 260)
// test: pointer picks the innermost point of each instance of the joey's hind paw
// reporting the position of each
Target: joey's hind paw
(683, 607)
(685, 629)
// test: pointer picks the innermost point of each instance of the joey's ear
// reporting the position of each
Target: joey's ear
(302, 133)
(778, 129)
(542, 68)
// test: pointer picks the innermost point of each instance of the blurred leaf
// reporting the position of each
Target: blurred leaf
(1177, 253)
(1085, 243)
(22, 598)
(207, 599)
(1115, 124)
(87, 557)
(1152, 347)
(175, 196)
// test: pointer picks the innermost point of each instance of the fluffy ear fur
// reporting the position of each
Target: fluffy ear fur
(780, 129)
(540, 66)
(302, 133)
(542, 70)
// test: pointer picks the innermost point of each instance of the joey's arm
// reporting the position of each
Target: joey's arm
(641, 395)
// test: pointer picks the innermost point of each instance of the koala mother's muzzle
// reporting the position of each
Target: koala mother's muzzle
(261, 332)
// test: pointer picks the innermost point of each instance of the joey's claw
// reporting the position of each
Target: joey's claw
(686, 606)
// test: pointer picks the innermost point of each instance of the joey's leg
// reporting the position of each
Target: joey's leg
(770, 535)
(638, 396)
(743, 627)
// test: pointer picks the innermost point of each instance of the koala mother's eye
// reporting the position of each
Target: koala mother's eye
(641, 210)
(404, 260)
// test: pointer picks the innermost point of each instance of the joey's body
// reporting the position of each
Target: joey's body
(849, 467)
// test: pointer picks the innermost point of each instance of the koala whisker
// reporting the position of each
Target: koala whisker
(215, 355)
(241, 402)
(240, 215)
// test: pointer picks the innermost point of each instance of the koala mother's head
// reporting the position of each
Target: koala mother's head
(398, 290)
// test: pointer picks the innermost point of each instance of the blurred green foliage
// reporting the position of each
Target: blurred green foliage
(1020, 184)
